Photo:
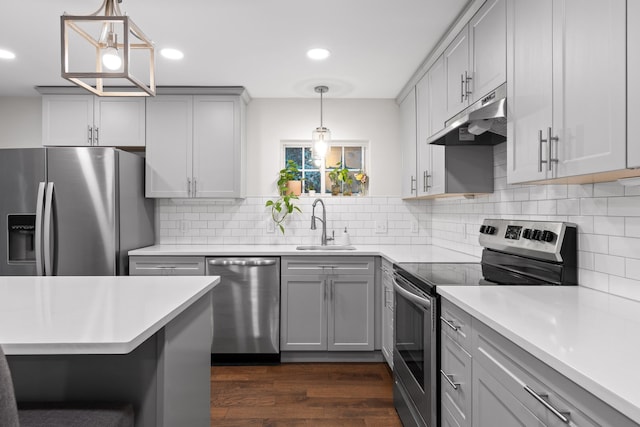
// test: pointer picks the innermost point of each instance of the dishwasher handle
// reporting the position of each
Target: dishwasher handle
(242, 262)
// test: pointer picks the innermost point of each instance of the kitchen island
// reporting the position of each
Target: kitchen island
(143, 340)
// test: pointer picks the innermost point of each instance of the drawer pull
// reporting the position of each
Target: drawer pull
(449, 379)
(449, 324)
(563, 416)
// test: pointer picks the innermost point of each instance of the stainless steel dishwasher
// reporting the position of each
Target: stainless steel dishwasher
(246, 310)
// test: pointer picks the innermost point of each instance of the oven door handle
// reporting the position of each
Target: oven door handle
(411, 296)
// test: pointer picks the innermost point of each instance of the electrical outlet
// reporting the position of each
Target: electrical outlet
(271, 226)
(414, 226)
(381, 226)
(184, 226)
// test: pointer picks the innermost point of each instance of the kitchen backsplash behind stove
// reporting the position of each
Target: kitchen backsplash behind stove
(607, 215)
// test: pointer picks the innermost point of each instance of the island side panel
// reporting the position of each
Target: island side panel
(184, 367)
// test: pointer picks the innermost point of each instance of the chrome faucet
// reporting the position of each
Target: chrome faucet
(324, 237)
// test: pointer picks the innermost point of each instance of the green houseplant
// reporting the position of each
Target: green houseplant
(284, 205)
(340, 178)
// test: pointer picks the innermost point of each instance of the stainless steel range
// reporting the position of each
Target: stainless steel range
(514, 253)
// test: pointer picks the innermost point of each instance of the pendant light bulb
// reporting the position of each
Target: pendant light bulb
(110, 56)
(321, 136)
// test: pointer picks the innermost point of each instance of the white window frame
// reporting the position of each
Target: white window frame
(284, 144)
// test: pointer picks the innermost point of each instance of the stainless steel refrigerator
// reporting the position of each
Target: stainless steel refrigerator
(71, 211)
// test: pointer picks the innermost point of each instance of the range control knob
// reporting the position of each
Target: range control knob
(489, 230)
(548, 236)
(536, 234)
(526, 233)
(482, 229)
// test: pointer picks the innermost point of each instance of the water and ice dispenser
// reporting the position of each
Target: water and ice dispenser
(22, 234)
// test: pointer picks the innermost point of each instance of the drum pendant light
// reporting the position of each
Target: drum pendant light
(107, 46)
(321, 136)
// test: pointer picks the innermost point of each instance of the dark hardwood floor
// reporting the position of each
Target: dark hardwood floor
(303, 394)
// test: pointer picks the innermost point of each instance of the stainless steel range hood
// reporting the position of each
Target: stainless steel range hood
(482, 123)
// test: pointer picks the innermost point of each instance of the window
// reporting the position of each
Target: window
(351, 155)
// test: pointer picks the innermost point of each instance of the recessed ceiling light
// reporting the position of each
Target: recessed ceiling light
(5, 54)
(318, 53)
(172, 53)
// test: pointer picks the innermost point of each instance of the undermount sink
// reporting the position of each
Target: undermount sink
(326, 248)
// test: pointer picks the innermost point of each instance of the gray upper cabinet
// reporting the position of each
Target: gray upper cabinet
(327, 303)
(633, 89)
(195, 146)
(567, 90)
(87, 120)
(408, 144)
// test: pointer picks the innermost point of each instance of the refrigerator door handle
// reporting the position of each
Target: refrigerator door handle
(48, 206)
(38, 237)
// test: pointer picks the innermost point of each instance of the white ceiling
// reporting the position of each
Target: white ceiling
(376, 45)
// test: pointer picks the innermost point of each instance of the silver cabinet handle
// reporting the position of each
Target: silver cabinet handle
(467, 79)
(38, 237)
(188, 187)
(89, 135)
(242, 262)
(97, 139)
(327, 266)
(449, 324)
(449, 379)
(540, 142)
(550, 138)
(47, 241)
(413, 184)
(195, 187)
(562, 415)
(462, 88)
(425, 178)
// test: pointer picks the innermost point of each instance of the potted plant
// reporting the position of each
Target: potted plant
(310, 188)
(340, 178)
(285, 203)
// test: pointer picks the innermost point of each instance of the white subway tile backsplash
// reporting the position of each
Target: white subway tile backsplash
(632, 227)
(624, 206)
(624, 246)
(593, 206)
(607, 189)
(632, 270)
(609, 264)
(593, 243)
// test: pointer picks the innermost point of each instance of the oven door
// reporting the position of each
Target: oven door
(415, 355)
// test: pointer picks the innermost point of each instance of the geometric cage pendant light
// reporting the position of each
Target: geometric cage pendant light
(321, 136)
(106, 53)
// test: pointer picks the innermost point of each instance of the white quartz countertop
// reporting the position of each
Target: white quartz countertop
(590, 337)
(394, 253)
(91, 315)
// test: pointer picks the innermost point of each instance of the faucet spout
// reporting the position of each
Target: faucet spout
(323, 238)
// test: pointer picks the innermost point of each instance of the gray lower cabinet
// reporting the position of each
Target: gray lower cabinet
(386, 271)
(166, 266)
(497, 383)
(327, 303)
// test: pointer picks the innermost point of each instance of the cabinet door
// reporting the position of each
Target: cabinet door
(529, 85)
(408, 135)
(216, 147)
(589, 85)
(303, 315)
(493, 405)
(119, 122)
(633, 89)
(423, 152)
(488, 48)
(437, 96)
(67, 120)
(350, 313)
(456, 63)
(169, 146)
(456, 365)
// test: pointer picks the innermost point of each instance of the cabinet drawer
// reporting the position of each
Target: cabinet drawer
(455, 380)
(328, 265)
(523, 375)
(456, 323)
(166, 266)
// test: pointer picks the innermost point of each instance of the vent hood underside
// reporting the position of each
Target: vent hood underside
(483, 123)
